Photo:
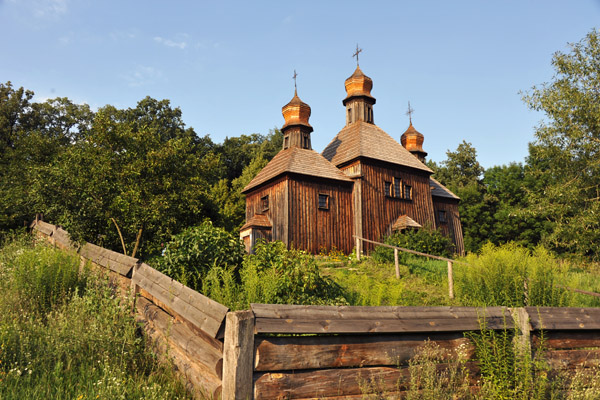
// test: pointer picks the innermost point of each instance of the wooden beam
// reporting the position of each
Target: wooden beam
(238, 355)
(450, 280)
(281, 353)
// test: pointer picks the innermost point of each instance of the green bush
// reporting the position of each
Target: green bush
(272, 275)
(511, 275)
(191, 254)
(429, 241)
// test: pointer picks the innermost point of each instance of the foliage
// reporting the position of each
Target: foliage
(192, 253)
(428, 381)
(272, 275)
(511, 276)
(566, 153)
(507, 369)
(83, 345)
(427, 241)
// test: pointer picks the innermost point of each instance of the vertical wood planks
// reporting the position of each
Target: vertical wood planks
(238, 356)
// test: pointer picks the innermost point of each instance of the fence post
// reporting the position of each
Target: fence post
(521, 318)
(396, 263)
(238, 356)
(450, 281)
(357, 248)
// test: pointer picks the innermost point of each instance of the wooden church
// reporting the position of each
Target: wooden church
(364, 183)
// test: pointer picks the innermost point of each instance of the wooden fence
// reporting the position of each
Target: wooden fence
(325, 352)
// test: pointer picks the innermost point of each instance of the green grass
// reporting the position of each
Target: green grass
(64, 335)
(368, 283)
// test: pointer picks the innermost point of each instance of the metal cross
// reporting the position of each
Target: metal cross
(358, 50)
(409, 113)
(294, 78)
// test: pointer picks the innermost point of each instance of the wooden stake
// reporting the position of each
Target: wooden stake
(450, 281)
(396, 263)
(238, 356)
(357, 248)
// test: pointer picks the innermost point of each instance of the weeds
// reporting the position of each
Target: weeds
(65, 336)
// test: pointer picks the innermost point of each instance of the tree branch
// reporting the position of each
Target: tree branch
(137, 241)
(121, 236)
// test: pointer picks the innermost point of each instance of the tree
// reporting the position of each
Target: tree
(134, 181)
(461, 173)
(565, 155)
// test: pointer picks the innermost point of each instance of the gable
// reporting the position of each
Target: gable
(362, 139)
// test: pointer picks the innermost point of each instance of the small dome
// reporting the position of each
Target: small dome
(412, 140)
(296, 112)
(358, 85)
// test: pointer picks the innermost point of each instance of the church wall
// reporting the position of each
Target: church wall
(276, 192)
(452, 226)
(313, 229)
(380, 211)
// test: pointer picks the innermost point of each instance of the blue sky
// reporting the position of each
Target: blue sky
(228, 65)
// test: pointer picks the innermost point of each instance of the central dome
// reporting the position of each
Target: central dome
(358, 85)
(296, 112)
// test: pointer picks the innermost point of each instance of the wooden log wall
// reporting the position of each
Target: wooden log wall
(379, 211)
(181, 324)
(314, 229)
(277, 194)
(452, 227)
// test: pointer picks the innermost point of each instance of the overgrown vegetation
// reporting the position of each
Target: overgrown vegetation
(63, 335)
(428, 241)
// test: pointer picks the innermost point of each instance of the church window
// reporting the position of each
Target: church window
(408, 192)
(442, 216)
(323, 201)
(264, 203)
(286, 142)
(398, 187)
(388, 189)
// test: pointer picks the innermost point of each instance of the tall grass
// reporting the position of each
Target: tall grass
(511, 276)
(64, 336)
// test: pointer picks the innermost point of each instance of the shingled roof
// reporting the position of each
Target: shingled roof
(257, 221)
(439, 190)
(362, 139)
(298, 161)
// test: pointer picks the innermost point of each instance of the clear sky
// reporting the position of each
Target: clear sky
(229, 64)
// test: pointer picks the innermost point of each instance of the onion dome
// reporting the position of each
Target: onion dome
(412, 140)
(296, 112)
(358, 85)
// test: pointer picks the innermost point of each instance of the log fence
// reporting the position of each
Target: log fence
(326, 352)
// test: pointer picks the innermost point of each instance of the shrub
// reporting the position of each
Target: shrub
(429, 241)
(511, 275)
(272, 275)
(191, 254)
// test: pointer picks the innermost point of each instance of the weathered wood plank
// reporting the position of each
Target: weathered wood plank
(571, 359)
(270, 325)
(313, 352)
(107, 258)
(215, 343)
(205, 385)
(201, 311)
(336, 382)
(285, 311)
(63, 239)
(564, 318)
(238, 356)
(567, 339)
(179, 334)
(44, 227)
(181, 306)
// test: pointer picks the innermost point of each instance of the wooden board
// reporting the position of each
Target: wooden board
(180, 335)
(62, 239)
(571, 359)
(109, 259)
(564, 318)
(45, 228)
(285, 311)
(567, 339)
(313, 352)
(237, 355)
(336, 382)
(201, 311)
(203, 384)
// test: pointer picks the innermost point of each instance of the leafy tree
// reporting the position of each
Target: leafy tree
(134, 181)
(566, 153)
(461, 173)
